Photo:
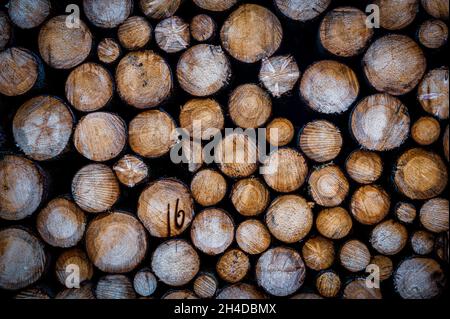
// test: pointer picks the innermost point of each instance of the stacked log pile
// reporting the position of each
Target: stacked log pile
(343, 197)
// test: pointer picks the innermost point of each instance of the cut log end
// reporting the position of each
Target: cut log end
(131, 170)
(328, 186)
(134, 33)
(364, 167)
(433, 93)
(250, 196)
(107, 13)
(172, 35)
(433, 34)
(208, 187)
(354, 256)
(279, 74)
(334, 223)
(108, 50)
(321, 141)
(253, 237)
(203, 27)
(370, 204)
(426, 130)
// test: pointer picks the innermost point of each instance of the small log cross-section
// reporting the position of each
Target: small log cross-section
(208, 187)
(343, 32)
(159, 9)
(100, 136)
(354, 255)
(396, 15)
(433, 34)
(42, 127)
(283, 131)
(23, 187)
(280, 271)
(420, 174)
(61, 223)
(436, 8)
(175, 262)
(144, 79)
(328, 185)
(62, 47)
(22, 258)
(114, 287)
(394, 64)
(145, 282)
(95, 188)
(172, 34)
(131, 170)
(212, 231)
(108, 50)
(334, 223)
(28, 14)
(302, 10)
(318, 253)
(116, 242)
(251, 33)
(380, 122)
(107, 13)
(20, 71)
(203, 70)
(134, 33)
(321, 140)
(65, 262)
(279, 74)
(215, 5)
(89, 87)
(433, 93)
(426, 130)
(434, 215)
(253, 237)
(205, 285)
(364, 167)
(329, 87)
(250, 196)
(233, 265)
(389, 237)
(370, 204)
(202, 27)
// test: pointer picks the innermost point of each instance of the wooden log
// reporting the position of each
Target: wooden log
(172, 34)
(33, 293)
(175, 262)
(152, 133)
(21, 71)
(420, 174)
(42, 127)
(445, 142)
(405, 212)
(159, 9)
(279, 74)
(328, 186)
(208, 187)
(321, 140)
(233, 266)
(145, 282)
(328, 284)
(205, 285)
(107, 13)
(95, 188)
(134, 33)
(426, 130)
(280, 131)
(422, 242)
(389, 237)
(5, 26)
(131, 170)
(89, 87)
(191, 154)
(357, 289)
(166, 208)
(433, 33)
(203, 27)
(434, 215)
(385, 266)
(302, 10)
(329, 87)
(334, 223)
(343, 31)
(289, 218)
(318, 253)
(370, 204)
(207, 114)
(380, 122)
(253, 237)
(364, 167)
(394, 64)
(237, 155)
(128, 236)
(436, 8)
(108, 50)
(23, 187)
(212, 231)
(100, 136)
(86, 291)
(441, 247)
(62, 47)
(285, 170)
(419, 278)
(69, 259)
(241, 291)
(22, 258)
(144, 79)
(61, 223)
(215, 5)
(251, 33)
(280, 271)
(250, 196)
(354, 256)
(396, 15)
(433, 93)
(203, 70)
(249, 106)
(179, 294)
(306, 295)
(28, 14)
(114, 287)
